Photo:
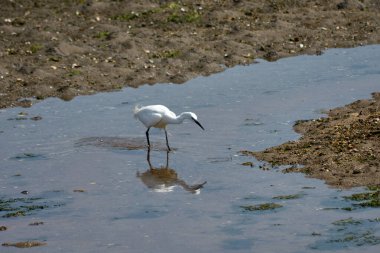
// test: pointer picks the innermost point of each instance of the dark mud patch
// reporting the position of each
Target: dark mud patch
(343, 148)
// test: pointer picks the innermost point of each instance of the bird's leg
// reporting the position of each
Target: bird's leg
(147, 137)
(167, 142)
(167, 159)
(148, 159)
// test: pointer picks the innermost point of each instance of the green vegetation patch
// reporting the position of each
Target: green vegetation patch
(126, 16)
(34, 48)
(348, 233)
(74, 72)
(292, 196)
(261, 207)
(15, 207)
(366, 199)
(184, 17)
(178, 14)
(358, 238)
(104, 35)
(373, 188)
(345, 222)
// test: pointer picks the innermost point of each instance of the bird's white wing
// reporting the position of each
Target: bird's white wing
(161, 109)
(149, 118)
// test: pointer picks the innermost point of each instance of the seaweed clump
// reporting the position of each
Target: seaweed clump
(261, 207)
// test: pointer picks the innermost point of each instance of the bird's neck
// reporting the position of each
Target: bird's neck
(180, 118)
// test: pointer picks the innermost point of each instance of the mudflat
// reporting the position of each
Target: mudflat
(75, 47)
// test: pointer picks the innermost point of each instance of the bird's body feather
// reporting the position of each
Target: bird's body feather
(154, 115)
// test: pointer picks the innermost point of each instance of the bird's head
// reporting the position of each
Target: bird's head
(190, 115)
(194, 117)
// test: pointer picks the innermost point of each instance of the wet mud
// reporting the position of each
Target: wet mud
(342, 148)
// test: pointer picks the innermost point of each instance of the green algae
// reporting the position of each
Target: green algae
(365, 199)
(345, 222)
(261, 207)
(287, 197)
(348, 233)
(16, 207)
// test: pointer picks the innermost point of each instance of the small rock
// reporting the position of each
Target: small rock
(342, 5)
(37, 223)
(35, 118)
(250, 164)
(79, 190)
(271, 55)
(27, 244)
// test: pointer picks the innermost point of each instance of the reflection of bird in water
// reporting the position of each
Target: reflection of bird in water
(164, 179)
(159, 116)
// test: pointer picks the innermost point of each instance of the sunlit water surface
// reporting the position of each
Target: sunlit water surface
(86, 163)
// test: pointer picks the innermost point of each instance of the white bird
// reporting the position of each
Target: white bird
(160, 116)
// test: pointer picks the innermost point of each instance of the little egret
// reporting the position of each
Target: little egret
(159, 116)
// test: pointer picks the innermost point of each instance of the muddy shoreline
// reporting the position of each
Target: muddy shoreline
(342, 148)
(69, 48)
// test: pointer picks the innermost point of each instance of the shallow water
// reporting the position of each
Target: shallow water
(85, 163)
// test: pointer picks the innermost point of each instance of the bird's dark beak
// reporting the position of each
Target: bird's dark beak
(199, 124)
